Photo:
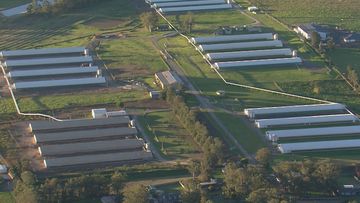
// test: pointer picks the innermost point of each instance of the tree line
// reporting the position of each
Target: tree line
(212, 148)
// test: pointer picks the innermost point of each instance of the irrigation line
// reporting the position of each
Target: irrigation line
(236, 84)
(16, 104)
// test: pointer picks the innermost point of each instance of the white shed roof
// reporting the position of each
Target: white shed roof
(248, 54)
(46, 51)
(264, 123)
(240, 45)
(48, 61)
(230, 38)
(52, 71)
(274, 135)
(98, 158)
(253, 112)
(321, 145)
(58, 83)
(160, 1)
(259, 63)
(188, 3)
(195, 8)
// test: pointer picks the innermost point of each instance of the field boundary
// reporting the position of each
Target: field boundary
(236, 84)
(16, 104)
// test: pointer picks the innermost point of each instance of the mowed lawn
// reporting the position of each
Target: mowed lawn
(6, 197)
(168, 135)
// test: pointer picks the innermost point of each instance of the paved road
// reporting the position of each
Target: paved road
(204, 102)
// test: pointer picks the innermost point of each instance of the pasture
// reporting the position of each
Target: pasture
(168, 136)
(344, 13)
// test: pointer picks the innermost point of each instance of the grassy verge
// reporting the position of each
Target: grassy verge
(170, 138)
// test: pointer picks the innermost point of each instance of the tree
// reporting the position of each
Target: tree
(191, 192)
(353, 77)
(330, 44)
(263, 156)
(117, 182)
(264, 195)
(25, 189)
(149, 20)
(194, 168)
(135, 194)
(187, 22)
(315, 39)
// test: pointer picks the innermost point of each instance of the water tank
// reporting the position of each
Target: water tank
(86, 52)
(294, 53)
(276, 36)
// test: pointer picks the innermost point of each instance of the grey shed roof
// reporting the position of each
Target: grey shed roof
(47, 51)
(195, 8)
(52, 71)
(48, 61)
(59, 83)
(168, 78)
(188, 3)
(231, 38)
(84, 134)
(57, 126)
(87, 147)
(98, 158)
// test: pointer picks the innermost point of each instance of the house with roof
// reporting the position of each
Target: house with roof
(167, 79)
(352, 38)
(306, 31)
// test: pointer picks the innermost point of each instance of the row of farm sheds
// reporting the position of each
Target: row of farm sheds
(245, 51)
(50, 67)
(308, 127)
(180, 6)
(88, 142)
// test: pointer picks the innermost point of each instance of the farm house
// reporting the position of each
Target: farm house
(43, 52)
(47, 61)
(53, 72)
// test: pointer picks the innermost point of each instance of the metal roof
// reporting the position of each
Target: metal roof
(252, 112)
(46, 51)
(58, 126)
(84, 134)
(47, 61)
(158, 1)
(195, 8)
(52, 71)
(274, 135)
(264, 123)
(59, 83)
(248, 54)
(87, 147)
(188, 3)
(98, 158)
(321, 145)
(240, 45)
(168, 78)
(229, 38)
(260, 63)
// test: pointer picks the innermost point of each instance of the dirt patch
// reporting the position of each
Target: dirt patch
(148, 104)
(106, 23)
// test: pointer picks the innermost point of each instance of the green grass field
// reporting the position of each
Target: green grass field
(344, 13)
(6, 197)
(170, 138)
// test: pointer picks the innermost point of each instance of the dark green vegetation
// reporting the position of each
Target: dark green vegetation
(11, 3)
